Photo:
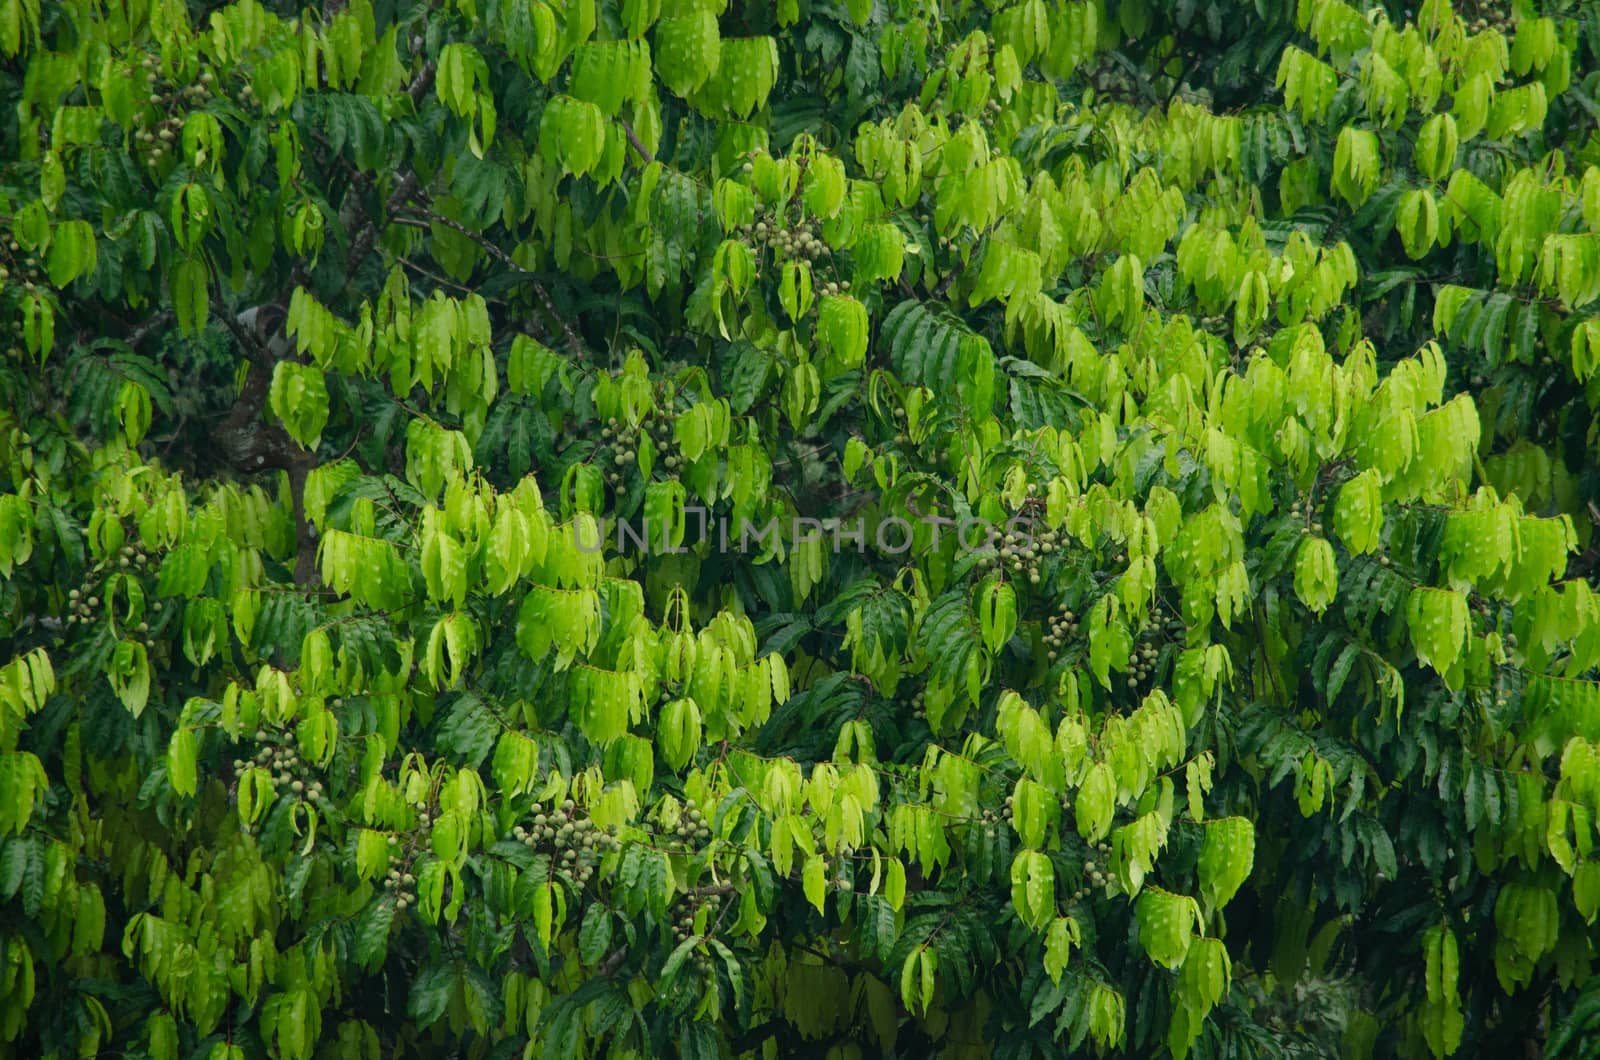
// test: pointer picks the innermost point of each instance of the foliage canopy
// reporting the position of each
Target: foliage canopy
(336, 338)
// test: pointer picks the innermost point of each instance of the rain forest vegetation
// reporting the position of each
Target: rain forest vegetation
(334, 338)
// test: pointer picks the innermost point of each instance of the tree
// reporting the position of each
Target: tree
(494, 510)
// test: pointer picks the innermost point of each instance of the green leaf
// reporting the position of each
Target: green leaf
(594, 937)
(1358, 512)
(749, 369)
(1062, 936)
(1227, 856)
(72, 252)
(1033, 888)
(1096, 802)
(190, 283)
(997, 614)
(1437, 620)
(299, 397)
(372, 933)
(814, 882)
(1166, 925)
(431, 992)
(181, 765)
(1316, 575)
(688, 50)
(1356, 165)
(129, 674)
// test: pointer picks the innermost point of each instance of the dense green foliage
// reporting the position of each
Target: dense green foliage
(335, 340)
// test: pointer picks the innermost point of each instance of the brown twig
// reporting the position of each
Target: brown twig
(361, 246)
(442, 281)
(612, 963)
(633, 138)
(151, 323)
(247, 340)
(252, 445)
(425, 217)
(711, 889)
(422, 82)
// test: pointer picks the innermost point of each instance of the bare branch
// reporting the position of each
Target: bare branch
(247, 339)
(150, 323)
(612, 963)
(361, 246)
(422, 82)
(633, 138)
(423, 217)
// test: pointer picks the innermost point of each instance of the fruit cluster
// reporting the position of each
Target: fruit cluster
(82, 601)
(618, 451)
(133, 556)
(1059, 629)
(989, 824)
(800, 241)
(619, 444)
(399, 880)
(27, 267)
(660, 425)
(569, 838)
(692, 827)
(82, 605)
(278, 755)
(159, 140)
(1093, 874)
(1141, 665)
(685, 911)
(1021, 554)
(1492, 16)
(1296, 511)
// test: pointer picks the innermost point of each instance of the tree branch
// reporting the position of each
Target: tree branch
(711, 889)
(750, 1039)
(253, 445)
(612, 963)
(633, 138)
(248, 341)
(422, 82)
(150, 323)
(425, 217)
(361, 245)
